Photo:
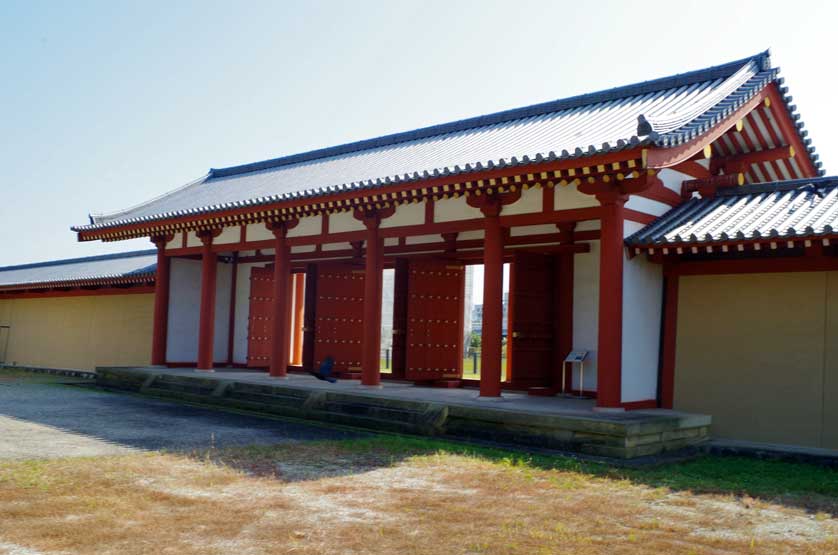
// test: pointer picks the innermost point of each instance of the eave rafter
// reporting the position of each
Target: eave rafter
(560, 173)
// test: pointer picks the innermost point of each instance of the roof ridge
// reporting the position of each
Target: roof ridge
(64, 261)
(643, 87)
(771, 186)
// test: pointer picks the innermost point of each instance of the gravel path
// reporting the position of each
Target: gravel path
(50, 416)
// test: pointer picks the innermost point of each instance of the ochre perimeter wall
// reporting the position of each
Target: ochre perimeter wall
(759, 352)
(79, 332)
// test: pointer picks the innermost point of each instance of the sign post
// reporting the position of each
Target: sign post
(575, 357)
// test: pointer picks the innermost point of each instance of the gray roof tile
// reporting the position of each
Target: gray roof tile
(665, 112)
(787, 209)
(139, 264)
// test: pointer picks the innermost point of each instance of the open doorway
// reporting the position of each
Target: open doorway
(473, 322)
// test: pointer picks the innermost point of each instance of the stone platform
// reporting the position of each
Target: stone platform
(547, 422)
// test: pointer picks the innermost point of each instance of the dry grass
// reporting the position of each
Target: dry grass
(338, 498)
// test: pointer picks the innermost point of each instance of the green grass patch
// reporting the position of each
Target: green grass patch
(705, 474)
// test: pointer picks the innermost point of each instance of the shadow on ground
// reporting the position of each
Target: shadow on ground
(50, 416)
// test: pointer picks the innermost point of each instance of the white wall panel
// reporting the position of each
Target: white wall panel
(221, 337)
(345, 221)
(533, 230)
(586, 311)
(258, 232)
(455, 209)
(642, 302)
(228, 235)
(531, 201)
(311, 225)
(406, 214)
(568, 197)
(184, 309)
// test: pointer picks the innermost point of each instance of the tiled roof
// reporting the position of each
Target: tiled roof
(128, 267)
(664, 112)
(787, 209)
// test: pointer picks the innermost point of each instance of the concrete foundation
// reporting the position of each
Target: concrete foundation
(557, 423)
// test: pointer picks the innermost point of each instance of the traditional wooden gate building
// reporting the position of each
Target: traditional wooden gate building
(280, 262)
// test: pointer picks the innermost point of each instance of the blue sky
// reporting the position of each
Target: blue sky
(107, 104)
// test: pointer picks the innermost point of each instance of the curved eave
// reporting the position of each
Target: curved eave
(623, 151)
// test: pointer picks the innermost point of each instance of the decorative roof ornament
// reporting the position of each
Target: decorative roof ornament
(644, 127)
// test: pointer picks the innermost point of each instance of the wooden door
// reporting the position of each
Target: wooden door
(338, 329)
(435, 320)
(400, 303)
(259, 323)
(532, 320)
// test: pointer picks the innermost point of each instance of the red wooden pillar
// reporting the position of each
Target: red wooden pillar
(206, 325)
(281, 330)
(668, 340)
(371, 359)
(610, 336)
(161, 302)
(490, 358)
(299, 305)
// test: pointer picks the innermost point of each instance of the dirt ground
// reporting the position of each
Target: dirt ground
(336, 497)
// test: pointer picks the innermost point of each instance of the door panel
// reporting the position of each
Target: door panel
(339, 316)
(259, 328)
(400, 302)
(532, 318)
(434, 320)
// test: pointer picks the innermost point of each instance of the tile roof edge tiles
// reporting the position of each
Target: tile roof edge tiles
(66, 261)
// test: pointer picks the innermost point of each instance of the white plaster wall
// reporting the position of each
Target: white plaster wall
(192, 239)
(588, 225)
(185, 308)
(568, 196)
(422, 239)
(406, 214)
(470, 235)
(672, 179)
(532, 200)
(642, 303)
(345, 221)
(176, 242)
(647, 206)
(311, 225)
(303, 248)
(223, 286)
(228, 235)
(586, 311)
(533, 230)
(454, 209)
(391, 241)
(258, 232)
(336, 246)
